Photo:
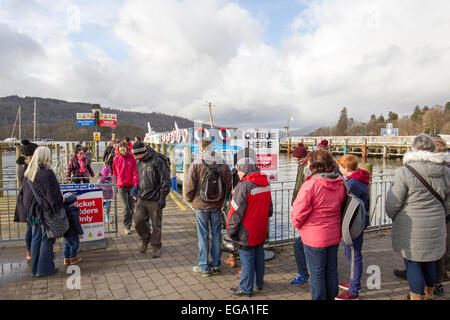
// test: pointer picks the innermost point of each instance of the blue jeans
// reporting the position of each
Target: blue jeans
(41, 252)
(420, 274)
(28, 237)
(300, 257)
(252, 262)
(107, 206)
(205, 219)
(71, 246)
(355, 283)
(322, 266)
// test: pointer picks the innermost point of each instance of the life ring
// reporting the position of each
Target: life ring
(221, 130)
(173, 137)
(178, 136)
(196, 135)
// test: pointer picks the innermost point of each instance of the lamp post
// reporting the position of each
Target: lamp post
(363, 123)
(96, 110)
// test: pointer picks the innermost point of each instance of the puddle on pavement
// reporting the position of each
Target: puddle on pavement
(12, 269)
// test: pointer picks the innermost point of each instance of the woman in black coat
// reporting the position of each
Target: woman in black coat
(27, 150)
(46, 185)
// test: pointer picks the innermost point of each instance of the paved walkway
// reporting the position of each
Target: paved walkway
(121, 272)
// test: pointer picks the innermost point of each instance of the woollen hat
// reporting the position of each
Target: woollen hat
(246, 165)
(323, 145)
(300, 151)
(69, 198)
(106, 171)
(28, 148)
(138, 148)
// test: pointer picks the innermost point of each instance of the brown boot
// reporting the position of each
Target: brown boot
(415, 296)
(428, 293)
(75, 260)
(66, 262)
(231, 261)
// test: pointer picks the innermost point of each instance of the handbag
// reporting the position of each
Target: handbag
(55, 224)
(430, 188)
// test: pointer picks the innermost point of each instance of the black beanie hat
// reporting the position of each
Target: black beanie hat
(28, 148)
(138, 148)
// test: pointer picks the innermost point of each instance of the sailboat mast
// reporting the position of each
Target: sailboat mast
(34, 121)
(20, 124)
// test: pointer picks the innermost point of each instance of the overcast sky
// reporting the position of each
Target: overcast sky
(255, 60)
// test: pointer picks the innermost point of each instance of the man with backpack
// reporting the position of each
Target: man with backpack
(154, 185)
(208, 182)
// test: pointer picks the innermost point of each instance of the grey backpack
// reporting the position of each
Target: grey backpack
(353, 222)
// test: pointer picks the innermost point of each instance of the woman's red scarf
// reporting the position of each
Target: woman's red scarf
(81, 162)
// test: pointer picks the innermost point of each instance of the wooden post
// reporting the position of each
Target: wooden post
(369, 167)
(1, 172)
(158, 148)
(289, 148)
(67, 151)
(186, 165)
(73, 148)
(164, 149)
(49, 146)
(17, 166)
(173, 167)
(385, 152)
(364, 151)
(345, 146)
(58, 160)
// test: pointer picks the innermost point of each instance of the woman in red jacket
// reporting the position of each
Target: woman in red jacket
(125, 171)
(316, 214)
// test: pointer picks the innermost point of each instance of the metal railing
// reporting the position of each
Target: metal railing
(13, 231)
(281, 231)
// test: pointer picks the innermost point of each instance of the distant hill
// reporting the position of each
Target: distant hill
(57, 119)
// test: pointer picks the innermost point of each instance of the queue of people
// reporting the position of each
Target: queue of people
(418, 203)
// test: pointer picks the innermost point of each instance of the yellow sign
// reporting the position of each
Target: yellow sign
(96, 136)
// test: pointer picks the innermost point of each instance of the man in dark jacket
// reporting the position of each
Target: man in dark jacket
(154, 186)
(300, 154)
(247, 223)
(108, 155)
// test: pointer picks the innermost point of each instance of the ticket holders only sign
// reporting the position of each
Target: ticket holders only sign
(90, 202)
(266, 145)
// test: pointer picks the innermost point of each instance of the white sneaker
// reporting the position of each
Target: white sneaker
(200, 271)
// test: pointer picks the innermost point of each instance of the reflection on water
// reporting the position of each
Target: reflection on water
(288, 167)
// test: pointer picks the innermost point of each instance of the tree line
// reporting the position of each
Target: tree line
(435, 120)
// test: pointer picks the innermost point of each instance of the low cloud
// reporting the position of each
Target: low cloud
(369, 56)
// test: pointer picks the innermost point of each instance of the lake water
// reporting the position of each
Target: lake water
(287, 166)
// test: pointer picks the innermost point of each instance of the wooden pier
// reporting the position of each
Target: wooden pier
(383, 147)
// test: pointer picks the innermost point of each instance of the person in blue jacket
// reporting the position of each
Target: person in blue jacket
(71, 238)
(357, 181)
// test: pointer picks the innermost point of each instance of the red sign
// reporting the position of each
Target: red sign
(108, 123)
(90, 210)
(267, 162)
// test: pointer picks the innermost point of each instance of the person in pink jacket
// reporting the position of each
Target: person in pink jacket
(125, 171)
(316, 214)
